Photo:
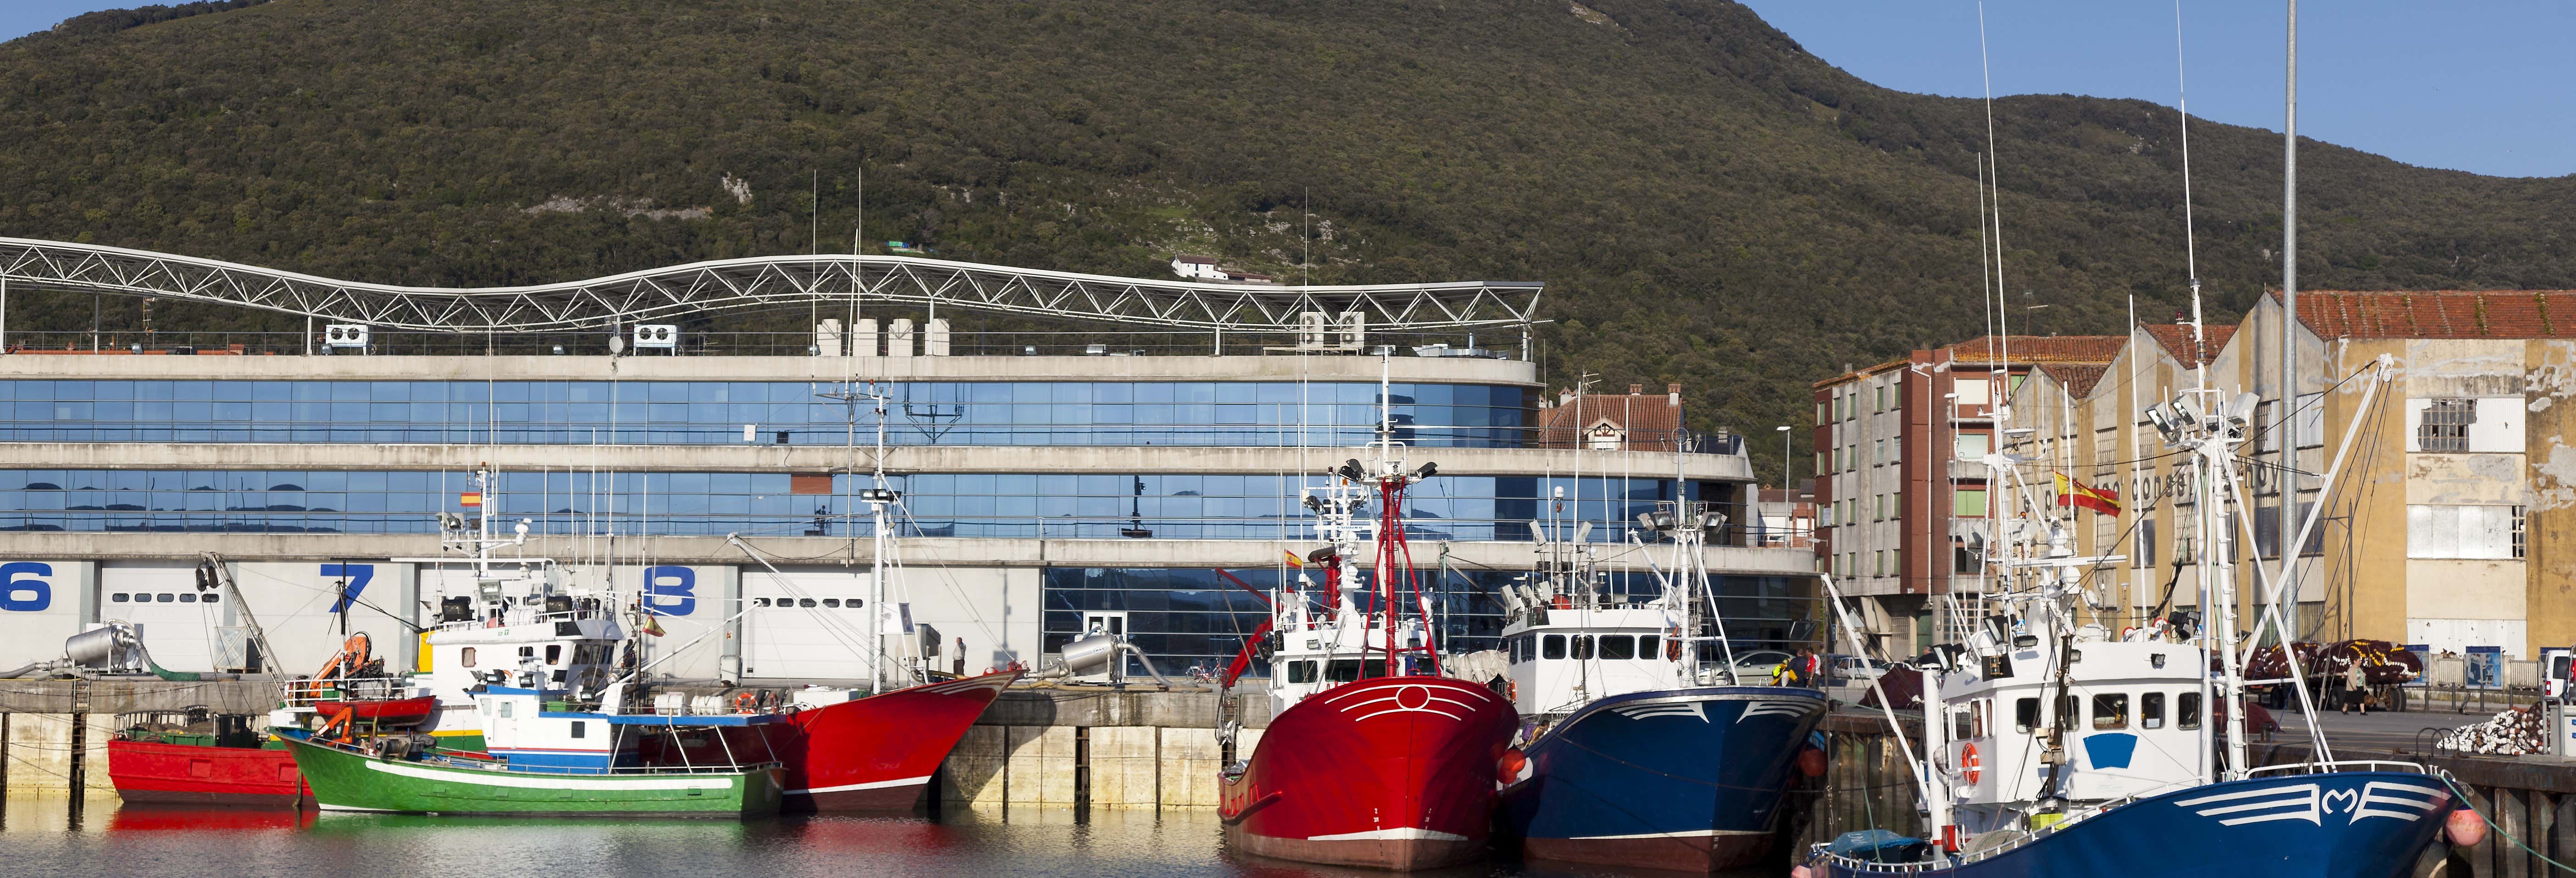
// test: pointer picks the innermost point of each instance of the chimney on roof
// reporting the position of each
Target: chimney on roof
(1564, 397)
(1673, 395)
(1635, 389)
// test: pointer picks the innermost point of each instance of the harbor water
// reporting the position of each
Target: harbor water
(38, 836)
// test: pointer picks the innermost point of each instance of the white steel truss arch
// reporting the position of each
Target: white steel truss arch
(763, 281)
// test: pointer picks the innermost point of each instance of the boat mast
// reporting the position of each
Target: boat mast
(878, 497)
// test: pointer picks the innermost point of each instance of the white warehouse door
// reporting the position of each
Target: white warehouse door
(807, 625)
(178, 621)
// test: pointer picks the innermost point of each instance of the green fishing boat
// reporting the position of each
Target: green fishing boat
(347, 779)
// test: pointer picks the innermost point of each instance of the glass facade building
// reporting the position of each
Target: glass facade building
(1207, 413)
(575, 502)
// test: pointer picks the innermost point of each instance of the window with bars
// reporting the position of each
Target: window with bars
(2520, 543)
(2445, 426)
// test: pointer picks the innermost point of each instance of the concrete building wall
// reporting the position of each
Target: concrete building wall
(43, 600)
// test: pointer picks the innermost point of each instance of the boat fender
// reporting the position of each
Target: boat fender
(746, 701)
(2464, 828)
(1969, 760)
(1811, 762)
(1673, 648)
(1511, 690)
(1511, 765)
(1802, 872)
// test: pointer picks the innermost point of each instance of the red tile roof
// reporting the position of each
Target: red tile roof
(2176, 339)
(1650, 421)
(2040, 349)
(2078, 378)
(2439, 313)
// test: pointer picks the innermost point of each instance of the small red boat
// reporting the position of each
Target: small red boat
(390, 713)
(203, 770)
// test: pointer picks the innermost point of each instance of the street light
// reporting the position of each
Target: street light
(1784, 457)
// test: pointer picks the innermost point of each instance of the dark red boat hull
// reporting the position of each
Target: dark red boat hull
(1391, 773)
(385, 713)
(871, 754)
(878, 753)
(194, 775)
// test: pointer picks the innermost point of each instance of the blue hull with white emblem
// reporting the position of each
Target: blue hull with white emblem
(1681, 779)
(2340, 824)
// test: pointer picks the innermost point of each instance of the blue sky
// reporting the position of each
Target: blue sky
(2473, 85)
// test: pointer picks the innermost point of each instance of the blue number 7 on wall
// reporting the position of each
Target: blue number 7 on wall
(357, 576)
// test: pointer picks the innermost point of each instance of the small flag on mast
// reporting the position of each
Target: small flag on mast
(2076, 494)
(470, 498)
(1293, 560)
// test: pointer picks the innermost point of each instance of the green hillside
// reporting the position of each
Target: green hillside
(1708, 203)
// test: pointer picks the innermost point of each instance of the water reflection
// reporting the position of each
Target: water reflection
(39, 836)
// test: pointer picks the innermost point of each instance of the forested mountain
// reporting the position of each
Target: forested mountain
(1707, 202)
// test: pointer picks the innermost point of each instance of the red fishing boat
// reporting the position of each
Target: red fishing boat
(846, 750)
(1372, 758)
(229, 766)
(878, 753)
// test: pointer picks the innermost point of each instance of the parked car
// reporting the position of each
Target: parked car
(1854, 668)
(1758, 662)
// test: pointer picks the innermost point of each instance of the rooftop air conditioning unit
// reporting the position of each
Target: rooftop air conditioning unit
(656, 335)
(345, 335)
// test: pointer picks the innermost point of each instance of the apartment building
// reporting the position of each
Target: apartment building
(2452, 485)
(1903, 512)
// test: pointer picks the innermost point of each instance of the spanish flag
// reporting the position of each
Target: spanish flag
(470, 498)
(1293, 560)
(2074, 493)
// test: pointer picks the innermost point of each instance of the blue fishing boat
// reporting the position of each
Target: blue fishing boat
(1635, 752)
(2052, 746)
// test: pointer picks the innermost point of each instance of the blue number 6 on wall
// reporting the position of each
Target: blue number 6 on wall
(670, 591)
(39, 593)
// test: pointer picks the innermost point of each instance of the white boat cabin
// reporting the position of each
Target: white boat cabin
(1319, 648)
(1564, 658)
(2129, 718)
(527, 731)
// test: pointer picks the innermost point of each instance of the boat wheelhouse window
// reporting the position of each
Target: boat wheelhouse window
(554, 653)
(1342, 671)
(2066, 716)
(1301, 672)
(1647, 644)
(2151, 710)
(1978, 710)
(760, 602)
(1582, 646)
(209, 598)
(805, 602)
(2025, 714)
(117, 598)
(1554, 647)
(187, 597)
(1963, 721)
(467, 659)
(2187, 710)
(1618, 646)
(2111, 711)
(167, 597)
(505, 710)
(580, 729)
(834, 603)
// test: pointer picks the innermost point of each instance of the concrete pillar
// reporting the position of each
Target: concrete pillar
(863, 337)
(934, 338)
(973, 773)
(899, 337)
(1041, 765)
(1190, 766)
(40, 752)
(102, 788)
(1123, 766)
